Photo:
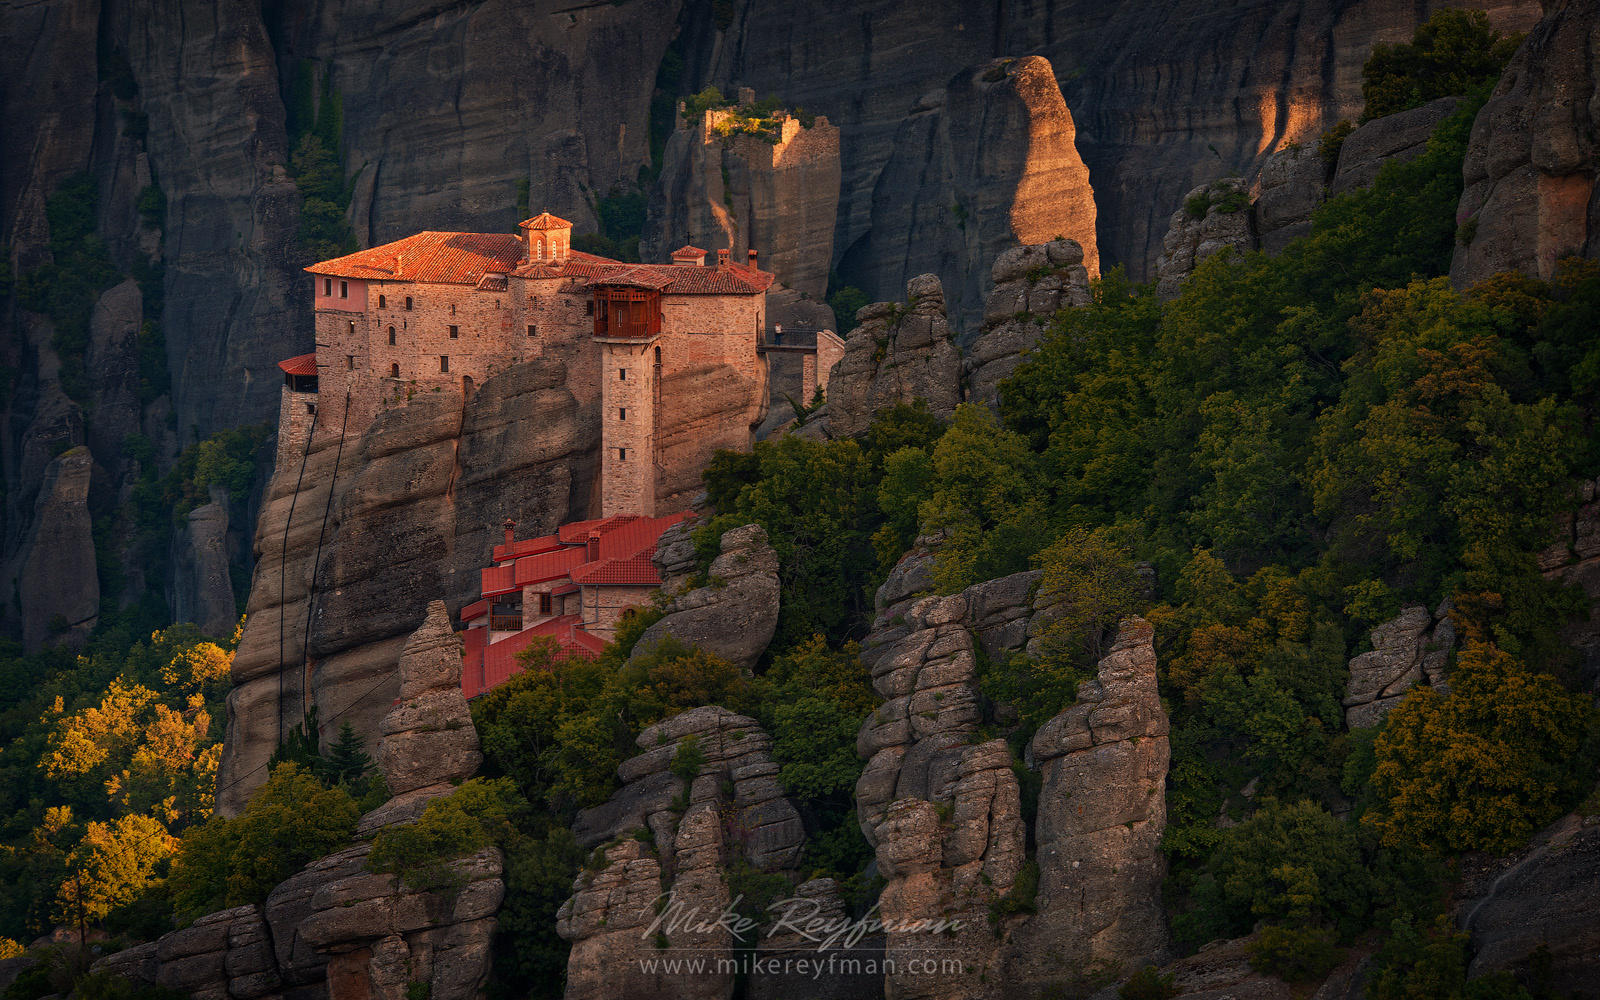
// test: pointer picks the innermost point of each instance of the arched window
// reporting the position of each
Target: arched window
(538, 247)
(391, 336)
(383, 303)
(394, 371)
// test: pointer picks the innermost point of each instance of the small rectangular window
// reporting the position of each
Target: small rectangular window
(350, 361)
(533, 330)
(455, 331)
(622, 413)
(327, 287)
(452, 308)
(589, 307)
(408, 303)
(382, 302)
(622, 454)
(344, 289)
(352, 328)
(544, 604)
(622, 374)
(444, 362)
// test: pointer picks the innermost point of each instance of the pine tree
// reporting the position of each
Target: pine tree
(346, 761)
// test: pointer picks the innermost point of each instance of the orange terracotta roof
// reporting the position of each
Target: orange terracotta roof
(688, 250)
(577, 532)
(675, 279)
(438, 258)
(300, 364)
(544, 220)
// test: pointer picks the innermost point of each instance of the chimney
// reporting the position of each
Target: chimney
(511, 530)
(722, 258)
(752, 257)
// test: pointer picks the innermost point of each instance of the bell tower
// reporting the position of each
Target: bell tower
(546, 238)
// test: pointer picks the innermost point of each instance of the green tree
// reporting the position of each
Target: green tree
(1454, 52)
(985, 499)
(290, 820)
(347, 761)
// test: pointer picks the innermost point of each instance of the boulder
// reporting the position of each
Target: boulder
(897, 354)
(1393, 138)
(735, 615)
(1212, 217)
(1030, 284)
(1407, 650)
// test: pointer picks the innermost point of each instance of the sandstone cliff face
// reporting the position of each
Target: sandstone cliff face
(1030, 284)
(988, 161)
(736, 614)
(667, 835)
(58, 588)
(1534, 155)
(1406, 651)
(741, 192)
(943, 810)
(347, 564)
(202, 588)
(1152, 120)
(896, 354)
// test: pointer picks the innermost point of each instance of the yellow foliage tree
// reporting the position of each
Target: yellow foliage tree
(1482, 767)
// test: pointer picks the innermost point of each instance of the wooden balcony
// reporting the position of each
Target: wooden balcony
(505, 623)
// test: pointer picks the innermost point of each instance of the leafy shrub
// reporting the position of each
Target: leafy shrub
(1149, 983)
(1332, 142)
(1295, 954)
(688, 759)
(1454, 52)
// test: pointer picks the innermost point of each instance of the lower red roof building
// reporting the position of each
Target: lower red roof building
(573, 586)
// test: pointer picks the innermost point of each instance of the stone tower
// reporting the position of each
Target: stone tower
(627, 327)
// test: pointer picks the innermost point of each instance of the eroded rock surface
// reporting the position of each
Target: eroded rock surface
(428, 738)
(1212, 217)
(58, 587)
(897, 354)
(733, 616)
(347, 563)
(1410, 649)
(1102, 811)
(1030, 284)
(1534, 155)
(667, 833)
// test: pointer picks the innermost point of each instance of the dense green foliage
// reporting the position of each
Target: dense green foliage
(290, 820)
(1455, 52)
(316, 135)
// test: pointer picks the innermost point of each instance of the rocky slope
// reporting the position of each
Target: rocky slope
(336, 930)
(942, 807)
(1533, 157)
(734, 615)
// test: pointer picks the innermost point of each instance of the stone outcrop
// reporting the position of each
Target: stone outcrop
(1212, 217)
(1540, 898)
(1030, 284)
(1408, 650)
(721, 188)
(1291, 185)
(334, 931)
(346, 565)
(665, 832)
(734, 615)
(1534, 155)
(942, 808)
(58, 587)
(981, 163)
(1101, 816)
(1393, 138)
(897, 354)
(428, 739)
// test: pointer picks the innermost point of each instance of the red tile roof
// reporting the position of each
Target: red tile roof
(498, 580)
(549, 565)
(440, 258)
(484, 667)
(525, 547)
(544, 220)
(576, 532)
(637, 570)
(300, 364)
(669, 279)
(477, 609)
(688, 250)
